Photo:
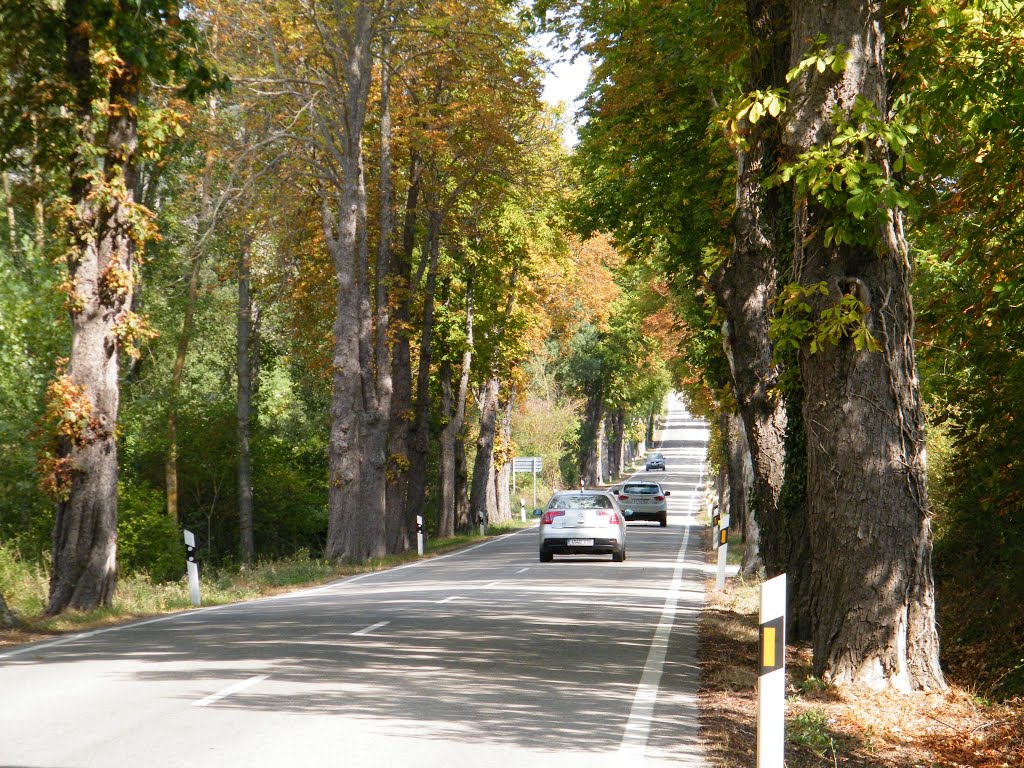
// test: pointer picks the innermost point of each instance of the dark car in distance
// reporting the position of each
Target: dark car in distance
(655, 461)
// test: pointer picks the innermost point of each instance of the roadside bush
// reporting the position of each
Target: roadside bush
(148, 541)
(23, 583)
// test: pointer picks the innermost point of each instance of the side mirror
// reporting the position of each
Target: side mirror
(538, 512)
(628, 512)
(613, 490)
(668, 493)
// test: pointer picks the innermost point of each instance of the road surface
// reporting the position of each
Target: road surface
(484, 657)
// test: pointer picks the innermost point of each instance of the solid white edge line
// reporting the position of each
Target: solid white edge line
(449, 599)
(641, 713)
(371, 628)
(241, 685)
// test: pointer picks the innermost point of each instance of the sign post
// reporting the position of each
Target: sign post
(526, 464)
(771, 675)
(193, 567)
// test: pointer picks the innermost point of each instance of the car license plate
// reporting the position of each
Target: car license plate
(581, 542)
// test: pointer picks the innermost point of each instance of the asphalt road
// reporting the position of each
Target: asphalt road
(484, 657)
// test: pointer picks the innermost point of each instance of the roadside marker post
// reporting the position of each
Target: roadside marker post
(193, 567)
(419, 535)
(522, 509)
(722, 545)
(480, 521)
(771, 675)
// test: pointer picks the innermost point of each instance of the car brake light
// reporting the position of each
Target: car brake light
(659, 498)
(613, 516)
(623, 497)
(549, 517)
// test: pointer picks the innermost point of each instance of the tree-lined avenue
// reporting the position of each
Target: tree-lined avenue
(484, 657)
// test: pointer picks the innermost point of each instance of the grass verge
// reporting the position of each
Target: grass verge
(826, 726)
(25, 586)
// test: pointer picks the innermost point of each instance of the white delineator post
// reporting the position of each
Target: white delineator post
(771, 675)
(193, 567)
(722, 543)
(419, 535)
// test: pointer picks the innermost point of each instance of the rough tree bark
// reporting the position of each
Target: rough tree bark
(355, 530)
(746, 283)
(503, 469)
(616, 430)
(590, 429)
(420, 443)
(100, 264)
(455, 411)
(401, 365)
(484, 463)
(873, 599)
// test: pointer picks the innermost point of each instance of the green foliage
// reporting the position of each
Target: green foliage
(848, 176)
(796, 323)
(820, 58)
(811, 729)
(963, 84)
(148, 541)
(24, 583)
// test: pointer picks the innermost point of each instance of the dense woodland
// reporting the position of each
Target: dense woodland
(292, 274)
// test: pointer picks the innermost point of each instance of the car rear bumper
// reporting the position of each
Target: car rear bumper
(646, 516)
(561, 546)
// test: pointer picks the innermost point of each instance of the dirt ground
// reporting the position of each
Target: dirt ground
(830, 727)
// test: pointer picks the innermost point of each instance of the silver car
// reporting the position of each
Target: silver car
(582, 523)
(647, 501)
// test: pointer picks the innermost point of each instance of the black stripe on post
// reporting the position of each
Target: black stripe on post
(190, 553)
(771, 645)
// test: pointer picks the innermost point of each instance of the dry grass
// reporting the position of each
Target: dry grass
(831, 727)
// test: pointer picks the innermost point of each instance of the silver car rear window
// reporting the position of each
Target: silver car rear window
(638, 488)
(580, 501)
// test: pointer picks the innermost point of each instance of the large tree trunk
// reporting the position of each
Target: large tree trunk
(101, 264)
(739, 487)
(746, 283)
(873, 596)
(401, 367)
(616, 437)
(355, 531)
(483, 465)
(793, 508)
(463, 520)
(243, 369)
(420, 445)
(455, 411)
(375, 328)
(503, 464)
(590, 429)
